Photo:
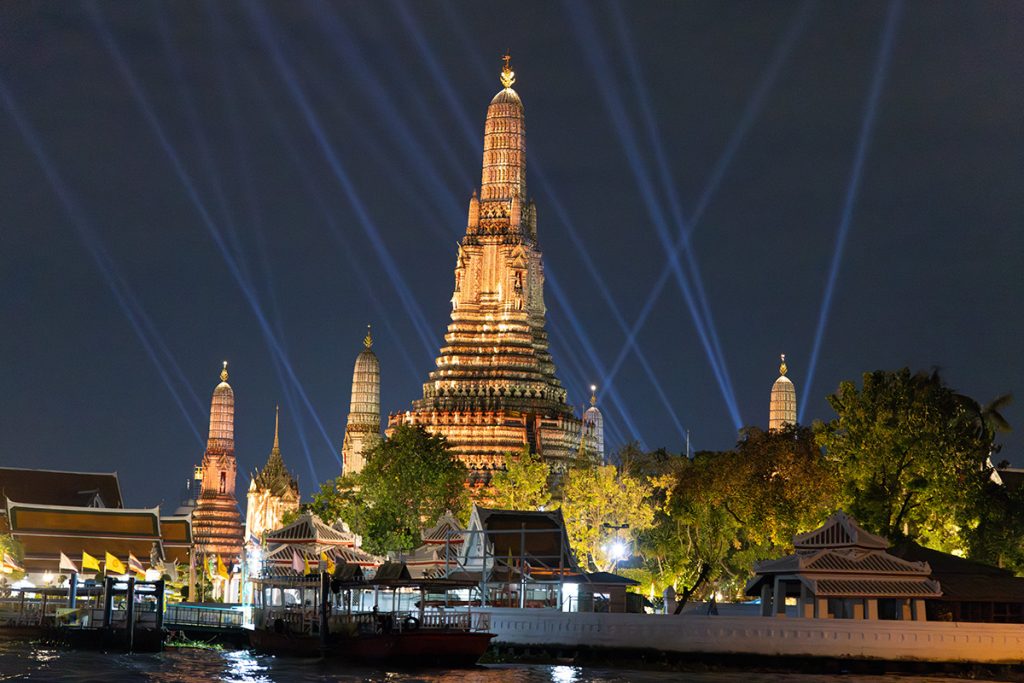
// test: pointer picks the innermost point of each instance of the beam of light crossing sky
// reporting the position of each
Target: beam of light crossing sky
(341, 175)
(882, 60)
(125, 298)
(563, 218)
(347, 48)
(313, 189)
(186, 180)
(587, 37)
(682, 244)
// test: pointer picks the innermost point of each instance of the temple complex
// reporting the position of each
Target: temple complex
(782, 409)
(363, 428)
(216, 523)
(495, 390)
(273, 491)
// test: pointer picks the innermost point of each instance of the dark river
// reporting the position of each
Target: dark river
(21, 661)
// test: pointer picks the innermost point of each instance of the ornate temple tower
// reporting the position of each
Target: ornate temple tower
(495, 389)
(273, 491)
(363, 428)
(782, 409)
(216, 523)
(593, 421)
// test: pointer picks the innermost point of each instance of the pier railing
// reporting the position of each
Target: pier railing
(204, 616)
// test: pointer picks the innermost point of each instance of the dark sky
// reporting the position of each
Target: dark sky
(183, 183)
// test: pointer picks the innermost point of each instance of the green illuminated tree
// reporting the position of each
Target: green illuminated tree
(911, 454)
(523, 484)
(409, 480)
(603, 508)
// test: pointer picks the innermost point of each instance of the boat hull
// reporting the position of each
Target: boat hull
(419, 648)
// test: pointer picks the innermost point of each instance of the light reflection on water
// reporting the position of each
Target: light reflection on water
(20, 661)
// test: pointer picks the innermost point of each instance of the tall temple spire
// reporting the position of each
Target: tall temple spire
(593, 423)
(782, 407)
(277, 423)
(216, 524)
(222, 417)
(504, 167)
(363, 427)
(494, 389)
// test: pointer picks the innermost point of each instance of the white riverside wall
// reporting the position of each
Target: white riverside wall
(768, 636)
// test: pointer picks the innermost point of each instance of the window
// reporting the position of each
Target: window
(223, 482)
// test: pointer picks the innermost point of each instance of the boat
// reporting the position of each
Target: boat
(318, 616)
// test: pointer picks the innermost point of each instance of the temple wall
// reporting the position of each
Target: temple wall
(766, 636)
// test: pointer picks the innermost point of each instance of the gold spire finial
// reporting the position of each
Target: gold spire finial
(277, 421)
(783, 368)
(224, 373)
(368, 339)
(593, 394)
(508, 76)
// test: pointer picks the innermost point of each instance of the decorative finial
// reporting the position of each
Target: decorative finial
(593, 394)
(224, 373)
(783, 368)
(508, 76)
(277, 421)
(368, 339)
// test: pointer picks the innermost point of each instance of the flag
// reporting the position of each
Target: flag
(134, 564)
(67, 565)
(296, 562)
(329, 562)
(112, 564)
(11, 563)
(222, 571)
(254, 539)
(306, 561)
(89, 562)
(172, 573)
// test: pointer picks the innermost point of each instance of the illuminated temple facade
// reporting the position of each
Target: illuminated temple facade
(782, 408)
(495, 390)
(216, 523)
(273, 491)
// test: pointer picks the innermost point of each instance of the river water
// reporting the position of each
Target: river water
(20, 661)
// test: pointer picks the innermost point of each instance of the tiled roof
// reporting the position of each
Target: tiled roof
(881, 588)
(52, 487)
(310, 529)
(839, 530)
(861, 561)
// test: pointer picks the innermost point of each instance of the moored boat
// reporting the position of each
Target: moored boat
(316, 616)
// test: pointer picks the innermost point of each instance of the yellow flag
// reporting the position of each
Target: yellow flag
(89, 562)
(306, 560)
(222, 571)
(329, 562)
(112, 564)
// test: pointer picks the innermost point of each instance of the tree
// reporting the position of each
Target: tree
(911, 455)
(598, 503)
(409, 480)
(523, 484)
(723, 511)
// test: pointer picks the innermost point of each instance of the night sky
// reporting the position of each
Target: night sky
(183, 183)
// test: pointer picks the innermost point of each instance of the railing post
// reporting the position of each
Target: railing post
(130, 613)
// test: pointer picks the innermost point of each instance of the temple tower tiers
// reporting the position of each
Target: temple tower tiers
(782, 409)
(593, 422)
(216, 522)
(495, 389)
(363, 428)
(273, 491)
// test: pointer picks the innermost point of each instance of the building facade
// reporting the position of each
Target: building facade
(495, 390)
(273, 491)
(362, 431)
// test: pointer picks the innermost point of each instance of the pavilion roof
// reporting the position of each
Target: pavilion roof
(58, 487)
(309, 529)
(45, 531)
